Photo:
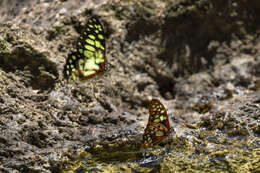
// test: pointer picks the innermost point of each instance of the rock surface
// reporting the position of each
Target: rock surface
(200, 58)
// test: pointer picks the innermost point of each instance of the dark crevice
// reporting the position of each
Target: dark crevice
(140, 28)
(36, 69)
(166, 86)
(187, 36)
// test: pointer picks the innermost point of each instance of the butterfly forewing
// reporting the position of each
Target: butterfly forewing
(158, 126)
(158, 113)
(89, 59)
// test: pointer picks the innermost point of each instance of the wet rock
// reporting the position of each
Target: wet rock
(201, 58)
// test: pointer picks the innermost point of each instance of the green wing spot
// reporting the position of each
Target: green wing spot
(89, 59)
(157, 120)
(91, 48)
(99, 28)
(100, 37)
(98, 44)
(91, 36)
(89, 41)
(159, 133)
(162, 118)
(88, 54)
(101, 47)
(100, 60)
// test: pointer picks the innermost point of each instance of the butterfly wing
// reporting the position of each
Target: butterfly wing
(89, 59)
(158, 126)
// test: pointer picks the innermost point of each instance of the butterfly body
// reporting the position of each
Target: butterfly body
(158, 127)
(89, 59)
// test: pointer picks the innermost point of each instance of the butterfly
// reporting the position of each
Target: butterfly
(158, 127)
(89, 59)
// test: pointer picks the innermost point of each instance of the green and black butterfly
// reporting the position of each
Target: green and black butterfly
(158, 127)
(89, 59)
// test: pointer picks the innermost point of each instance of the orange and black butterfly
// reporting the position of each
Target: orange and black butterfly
(158, 127)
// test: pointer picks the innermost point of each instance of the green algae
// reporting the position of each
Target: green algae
(180, 155)
(4, 46)
(231, 147)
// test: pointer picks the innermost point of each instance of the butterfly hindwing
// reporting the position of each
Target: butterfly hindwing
(158, 126)
(89, 59)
